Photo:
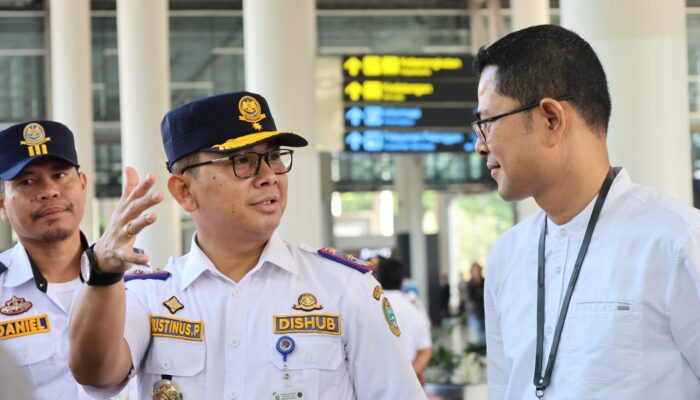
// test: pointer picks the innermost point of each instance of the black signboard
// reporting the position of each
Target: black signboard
(409, 103)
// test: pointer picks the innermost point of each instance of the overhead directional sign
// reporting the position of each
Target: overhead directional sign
(409, 103)
(413, 141)
(403, 66)
(376, 116)
(396, 91)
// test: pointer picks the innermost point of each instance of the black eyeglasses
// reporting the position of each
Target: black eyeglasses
(246, 165)
(482, 126)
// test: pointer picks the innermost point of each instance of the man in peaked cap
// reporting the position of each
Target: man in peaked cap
(245, 314)
(43, 198)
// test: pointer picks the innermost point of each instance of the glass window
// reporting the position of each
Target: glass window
(108, 169)
(206, 56)
(22, 69)
(409, 34)
(105, 69)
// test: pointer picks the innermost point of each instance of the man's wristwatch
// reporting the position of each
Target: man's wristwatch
(92, 274)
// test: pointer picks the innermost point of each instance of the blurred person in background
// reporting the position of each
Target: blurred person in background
(475, 308)
(410, 315)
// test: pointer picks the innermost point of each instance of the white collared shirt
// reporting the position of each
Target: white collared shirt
(413, 320)
(633, 326)
(221, 343)
(37, 336)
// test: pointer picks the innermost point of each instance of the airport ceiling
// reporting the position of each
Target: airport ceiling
(237, 4)
(321, 4)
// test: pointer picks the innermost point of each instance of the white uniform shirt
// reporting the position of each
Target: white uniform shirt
(413, 321)
(633, 326)
(37, 337)
(227, 350)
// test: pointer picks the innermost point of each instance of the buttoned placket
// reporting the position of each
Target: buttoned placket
(557, 247)
(236, 314)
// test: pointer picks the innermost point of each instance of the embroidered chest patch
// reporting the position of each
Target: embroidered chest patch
(173, 305)
(24, 326)
(177, 328)
(307, 302)
(16, 305)
(328, 324)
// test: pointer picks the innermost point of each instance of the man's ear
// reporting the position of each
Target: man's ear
(555, 118)
(83, 180)
(3, 210)
(179, 187)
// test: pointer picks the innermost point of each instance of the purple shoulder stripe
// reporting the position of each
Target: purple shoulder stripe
(346, 259)
(160, 275)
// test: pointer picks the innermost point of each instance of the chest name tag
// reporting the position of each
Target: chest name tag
(328, 324)
(177, 328)
(24, 326)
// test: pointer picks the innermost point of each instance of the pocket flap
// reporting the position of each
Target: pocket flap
(32, 349)
(311, 352)
(175, 357)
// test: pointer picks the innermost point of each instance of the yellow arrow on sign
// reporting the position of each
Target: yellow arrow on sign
(353, 65)
(354, 90)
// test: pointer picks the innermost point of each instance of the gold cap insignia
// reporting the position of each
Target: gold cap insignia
(377, 292)
(16, 305)
(165, 389)
(251, 111)
(173, 305)
(307, 302)
(35, 139)
(390, 317)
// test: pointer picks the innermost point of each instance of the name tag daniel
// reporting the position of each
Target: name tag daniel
(24, 326)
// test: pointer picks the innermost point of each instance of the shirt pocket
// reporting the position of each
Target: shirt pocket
(183, 360)
(34, 354)
(315, 359)
(602, 342)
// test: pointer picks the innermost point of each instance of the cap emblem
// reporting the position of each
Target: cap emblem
(250, 111)
(35, 139)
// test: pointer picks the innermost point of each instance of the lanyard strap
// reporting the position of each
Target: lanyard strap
(542, 381)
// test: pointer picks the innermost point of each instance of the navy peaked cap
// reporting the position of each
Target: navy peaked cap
(221, 124)
(24, 143)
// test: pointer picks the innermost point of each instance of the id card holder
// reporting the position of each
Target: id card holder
(290, 393)
(285, 346)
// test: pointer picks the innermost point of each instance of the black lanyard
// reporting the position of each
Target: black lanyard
(542, 381)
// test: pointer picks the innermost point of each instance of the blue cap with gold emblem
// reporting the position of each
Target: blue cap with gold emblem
(24, 143)
(221, 124)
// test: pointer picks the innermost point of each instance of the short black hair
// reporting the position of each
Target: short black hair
(389, 273)
(549, 61)
(179, 165)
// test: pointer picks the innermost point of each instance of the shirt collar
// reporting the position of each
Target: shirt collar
(621, 184)
(275, 253)
(19, 270)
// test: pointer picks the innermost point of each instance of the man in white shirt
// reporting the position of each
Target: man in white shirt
(245, 314)
(605, 280)
(42, 196)
(410, 314)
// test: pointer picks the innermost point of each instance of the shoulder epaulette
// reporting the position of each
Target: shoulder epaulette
(3, 268)
(346, 259)
(159, 275)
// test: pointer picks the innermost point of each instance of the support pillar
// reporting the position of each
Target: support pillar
(647, 68)
(280, 55)
(144, 85)
(71, 90)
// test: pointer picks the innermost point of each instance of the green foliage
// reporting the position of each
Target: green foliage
(484, 217)
(455, 366)
(357, 201)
